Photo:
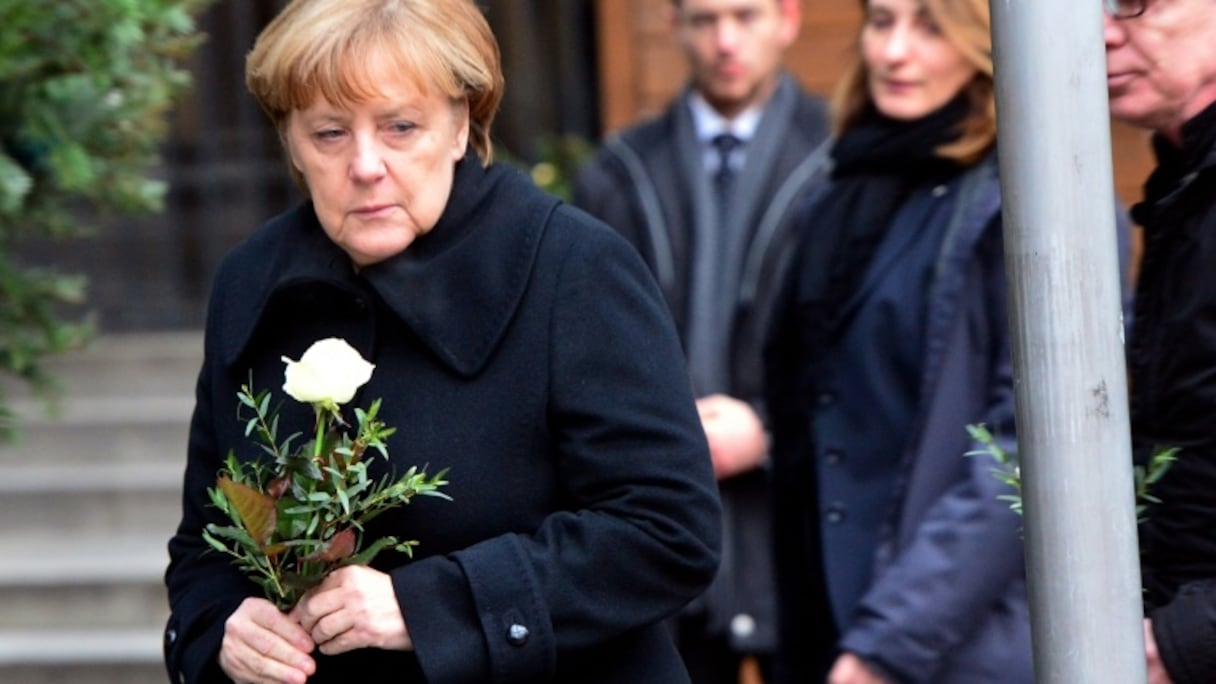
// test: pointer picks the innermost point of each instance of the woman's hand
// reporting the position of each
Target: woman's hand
(737, 442)
(849, 669)
(355, 607)
(263, 646)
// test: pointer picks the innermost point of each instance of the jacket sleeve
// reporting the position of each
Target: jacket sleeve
(637, 533)
(204, 587)
(965, 553)
(1185, 631)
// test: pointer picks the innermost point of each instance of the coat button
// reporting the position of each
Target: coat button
(826, 398)
(833, 457)
(170, 636)
(743, 626)
(517, 635)
(836, 513)
(181, 677)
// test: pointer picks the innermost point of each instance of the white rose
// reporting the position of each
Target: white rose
(329, 373)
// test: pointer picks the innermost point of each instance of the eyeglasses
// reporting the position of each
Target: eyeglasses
(1125, 9)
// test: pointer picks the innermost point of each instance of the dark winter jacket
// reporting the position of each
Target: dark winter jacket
(523, 347)
(946, 600)
(1173, 397)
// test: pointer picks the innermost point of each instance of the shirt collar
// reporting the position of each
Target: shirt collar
(709, 123)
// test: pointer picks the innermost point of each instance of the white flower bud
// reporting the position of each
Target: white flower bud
(328, 373)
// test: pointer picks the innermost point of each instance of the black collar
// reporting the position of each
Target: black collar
(457, 287)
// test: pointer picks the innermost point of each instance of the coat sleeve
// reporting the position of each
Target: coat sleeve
(965, 553)
(1185, 631)
(204, 587)
(637, 535)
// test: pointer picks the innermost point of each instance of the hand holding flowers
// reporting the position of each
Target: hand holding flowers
(300, 513)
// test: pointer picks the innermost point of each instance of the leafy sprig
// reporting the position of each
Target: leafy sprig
(300, 512)
(1009, 472)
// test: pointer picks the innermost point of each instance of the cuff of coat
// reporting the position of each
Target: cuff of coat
(899, 659)
(479, 586)
(191, 649)
(1185, 631)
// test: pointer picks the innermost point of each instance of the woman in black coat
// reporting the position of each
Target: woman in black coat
(517, 343)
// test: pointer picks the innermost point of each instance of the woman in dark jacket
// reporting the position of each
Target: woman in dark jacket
(896, 560)
(518, 344)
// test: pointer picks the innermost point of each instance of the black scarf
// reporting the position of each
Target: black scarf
(878, 161)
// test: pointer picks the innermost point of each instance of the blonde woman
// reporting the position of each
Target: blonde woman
(518, 344)
(896, 560)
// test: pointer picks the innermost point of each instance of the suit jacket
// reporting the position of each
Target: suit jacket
(650, 184)
(524, 347)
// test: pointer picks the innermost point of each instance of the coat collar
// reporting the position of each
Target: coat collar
(1177, 168)
(457, 287)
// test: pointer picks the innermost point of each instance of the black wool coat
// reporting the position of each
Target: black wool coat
(523, 346)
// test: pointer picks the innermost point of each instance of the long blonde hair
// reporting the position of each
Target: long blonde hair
(965, 23)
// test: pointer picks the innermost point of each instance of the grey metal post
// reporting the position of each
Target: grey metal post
(1062, 264)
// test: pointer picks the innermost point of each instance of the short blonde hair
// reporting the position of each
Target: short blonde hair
(965, 23)
(322, 47)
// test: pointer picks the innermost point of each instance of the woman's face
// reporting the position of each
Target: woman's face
(913, 70)
(379, 172)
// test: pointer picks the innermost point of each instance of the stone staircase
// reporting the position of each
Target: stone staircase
(88, 500)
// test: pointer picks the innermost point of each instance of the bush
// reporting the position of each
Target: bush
(85, 86)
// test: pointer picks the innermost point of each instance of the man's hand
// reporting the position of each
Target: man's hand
(1156, 668)
(355, 607)
(263, 646)
(849, 669)
(737, 442)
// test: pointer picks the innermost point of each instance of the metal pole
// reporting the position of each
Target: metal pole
(1071, 389)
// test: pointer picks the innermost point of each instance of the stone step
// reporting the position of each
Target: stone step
(86, 673)
(102, 606)
(44, 561)
(105, 588)
(91, 499)
(79, 648)
(125, 365)
(139, 439)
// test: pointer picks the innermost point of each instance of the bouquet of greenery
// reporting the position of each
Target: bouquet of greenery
(1010, 472)
(300, 513)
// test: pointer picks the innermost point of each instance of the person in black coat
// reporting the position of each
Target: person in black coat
(518, 343)
(1161, 75)
(718, 237)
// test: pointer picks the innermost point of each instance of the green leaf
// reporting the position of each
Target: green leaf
(236, 534)
(15, 184)
(366, 555)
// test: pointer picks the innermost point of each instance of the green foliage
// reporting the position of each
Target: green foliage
(85, 86)
(1008, 471)
(560, 158)
(301, 513)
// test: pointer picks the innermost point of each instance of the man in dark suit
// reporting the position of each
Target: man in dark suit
(706, 191)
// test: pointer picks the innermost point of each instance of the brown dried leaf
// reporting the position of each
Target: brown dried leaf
(278, 486)
(255, 509)
(340, 546)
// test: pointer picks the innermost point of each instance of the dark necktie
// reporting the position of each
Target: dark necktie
(724, 176)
